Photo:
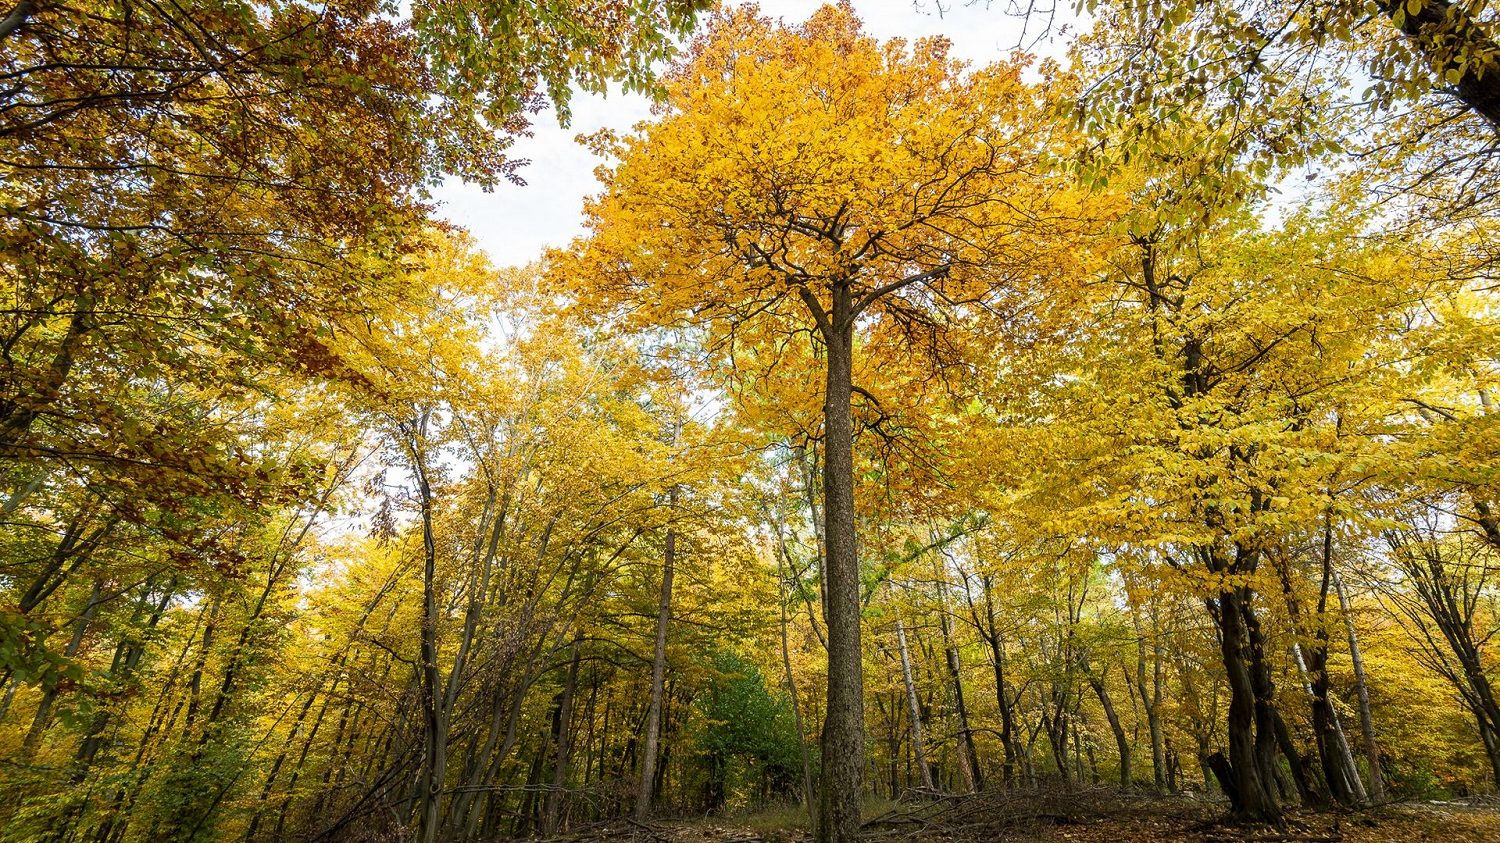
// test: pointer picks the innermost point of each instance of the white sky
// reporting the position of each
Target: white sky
(515, 224)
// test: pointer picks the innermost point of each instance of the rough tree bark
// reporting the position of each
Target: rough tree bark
(843, 741)
(1241, 775)
(1445, 36)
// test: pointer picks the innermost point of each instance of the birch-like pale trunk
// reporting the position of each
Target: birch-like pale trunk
(918, 745)
(1366, 722)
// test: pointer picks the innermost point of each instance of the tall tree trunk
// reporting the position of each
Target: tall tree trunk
(525, 814)
(918, 746)
(128, 655)
(1271, 733)
(609, 710)
(590, 711)
(664, 757)
(562, 738)
(1301, 782)
(195, 681)
(1448, 600)
(1078, 758)
(968, 755)
(1320, 662)
(892, 744)
(17, 414)
(1337, 761)
(1151, 699)
(1481, 700)
(1122, 745)
(270, 783)
(1366, 722)
(291, 787)
(1002, 695)
(434, 720)
(1241, 775)
(658, 673)
(843, 742)
(487, 763)
(809, 796)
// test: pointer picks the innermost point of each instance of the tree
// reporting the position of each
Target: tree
(202, 203)
(1447, 606)
(1430, 46)
(810, 181)
(658, 670)
(1301, 91)
(185, 202)
(435, 411)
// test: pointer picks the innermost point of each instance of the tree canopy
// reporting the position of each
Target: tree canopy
(906, 439)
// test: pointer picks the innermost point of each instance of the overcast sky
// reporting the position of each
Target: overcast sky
(514, 224)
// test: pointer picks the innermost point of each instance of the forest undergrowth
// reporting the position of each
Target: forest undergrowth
(1104, 814)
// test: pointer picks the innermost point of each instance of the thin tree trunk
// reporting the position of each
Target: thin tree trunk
(1122, 745)
(291, 787)
(127, 656)
(526, 813)
(609, 709)
(1151, 700)
(808, 795)
(590, 711)
(435, 738)
(1351, 770)
(1002, 695)
(1077, 757)
(1339, 769)
(1448, 601)
(563, 739)
(919, 747)
(195, 682)
(487, 763)
(1366, 722)
(658, 673)
(17, 415)
(270, 783)
(1339, 773)
(969, 756)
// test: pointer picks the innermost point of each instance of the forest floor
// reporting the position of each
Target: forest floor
(1089, 816)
